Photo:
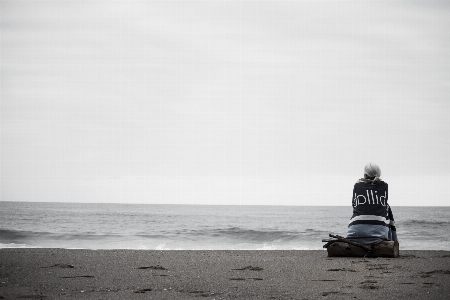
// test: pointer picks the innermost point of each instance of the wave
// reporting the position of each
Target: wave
(424, 223)
(17, 235)
(238, 234)
(11, 236)
(251, 235)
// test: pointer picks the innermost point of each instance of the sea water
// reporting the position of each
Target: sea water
(202, 227)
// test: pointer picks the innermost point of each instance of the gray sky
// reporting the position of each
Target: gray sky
(224, 102)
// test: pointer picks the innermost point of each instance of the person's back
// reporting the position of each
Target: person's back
(372, 220)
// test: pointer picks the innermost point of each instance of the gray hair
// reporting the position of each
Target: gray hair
(373, 170)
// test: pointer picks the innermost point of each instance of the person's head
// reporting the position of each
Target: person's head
(372, 170)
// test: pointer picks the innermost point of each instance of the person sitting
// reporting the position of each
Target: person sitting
(372, 220)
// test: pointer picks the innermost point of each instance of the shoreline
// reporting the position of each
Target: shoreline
(53, 273)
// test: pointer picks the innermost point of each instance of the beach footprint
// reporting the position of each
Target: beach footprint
(203, 293)
(369, 285)
(342, 269)
(63, 266)
(157, 267)
(324, 294)
(78, 276)
(251, 268)
(250, 278)
(143, 291)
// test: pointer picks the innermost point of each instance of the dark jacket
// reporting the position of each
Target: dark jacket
(372, 216)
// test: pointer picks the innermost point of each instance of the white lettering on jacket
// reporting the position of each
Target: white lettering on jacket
(361, 199)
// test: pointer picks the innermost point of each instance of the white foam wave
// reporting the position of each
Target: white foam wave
(267, 247)
(162, 246)
(14, 245)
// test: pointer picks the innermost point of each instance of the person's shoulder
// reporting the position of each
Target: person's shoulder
(359, 184)
(382, 185)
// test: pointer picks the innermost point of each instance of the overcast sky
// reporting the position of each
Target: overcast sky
(224, 102)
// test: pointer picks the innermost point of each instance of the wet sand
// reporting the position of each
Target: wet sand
(143, 274)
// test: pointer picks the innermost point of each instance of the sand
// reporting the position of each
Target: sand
(141, 274)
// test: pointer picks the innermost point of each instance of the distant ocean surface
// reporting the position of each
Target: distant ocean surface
(198, 227)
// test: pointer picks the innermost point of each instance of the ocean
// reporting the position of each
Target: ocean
(202, 227)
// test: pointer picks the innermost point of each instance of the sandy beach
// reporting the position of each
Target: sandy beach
(143, 274)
